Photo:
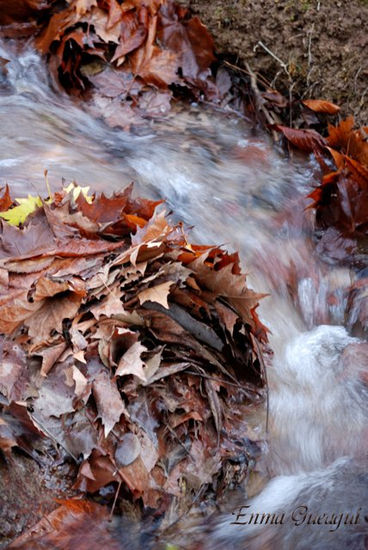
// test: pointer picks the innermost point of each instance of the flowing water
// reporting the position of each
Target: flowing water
(226, 179)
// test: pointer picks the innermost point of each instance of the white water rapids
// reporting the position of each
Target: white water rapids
(228, 181)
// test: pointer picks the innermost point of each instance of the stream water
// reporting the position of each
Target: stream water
(227, 180)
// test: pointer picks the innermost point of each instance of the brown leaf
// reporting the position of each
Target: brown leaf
(351, 142)
(95, 473)
(306, 140)
(108, 400)
(12, 365)
(75, 524)
(15, 309)
(156, 66)
(158, 294)
(133, 33)
(51, 315)
(49, 357)
(189, 40)
(111, 306)
(104, 209)
(46, 287)
(55, 397)
(64, 224)
(5, 200)
(15, 242)
(131, 362)
(57, 25)
(275, 98)
(321, 106)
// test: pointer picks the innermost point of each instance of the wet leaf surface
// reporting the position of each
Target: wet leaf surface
(125, 349)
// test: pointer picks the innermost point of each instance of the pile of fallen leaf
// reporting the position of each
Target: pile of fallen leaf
(133, 351)
(129, 58)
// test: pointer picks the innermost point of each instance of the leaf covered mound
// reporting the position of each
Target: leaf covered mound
(136, 353)
(129, 58)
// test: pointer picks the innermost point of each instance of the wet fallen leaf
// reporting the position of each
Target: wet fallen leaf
(306, 140)
(130, 343)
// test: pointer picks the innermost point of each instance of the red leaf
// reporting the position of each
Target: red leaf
(5, 200)
(305, 140)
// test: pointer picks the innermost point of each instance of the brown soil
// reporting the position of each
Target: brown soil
(28, 491)
(321, 45)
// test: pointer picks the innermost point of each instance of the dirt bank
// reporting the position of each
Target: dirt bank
(321, 46)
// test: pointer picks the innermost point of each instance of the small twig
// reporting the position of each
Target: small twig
(178, 440)
(241, 387)
(291, 104)
(361, 103)
(318, 5)
(115, 499)
(240, 69)
(308, 91)
(310, 46)
(260, 101)
(281, 63)
(273, 83)
(356, 78)
(51, 435)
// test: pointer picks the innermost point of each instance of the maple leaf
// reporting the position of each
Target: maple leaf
(158, 293)
(77, 190)
(49, 317)
(115, 296)
(189, 40)
(18, 214)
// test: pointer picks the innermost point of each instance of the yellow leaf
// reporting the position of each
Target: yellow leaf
(77, 190)
(18, 214)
